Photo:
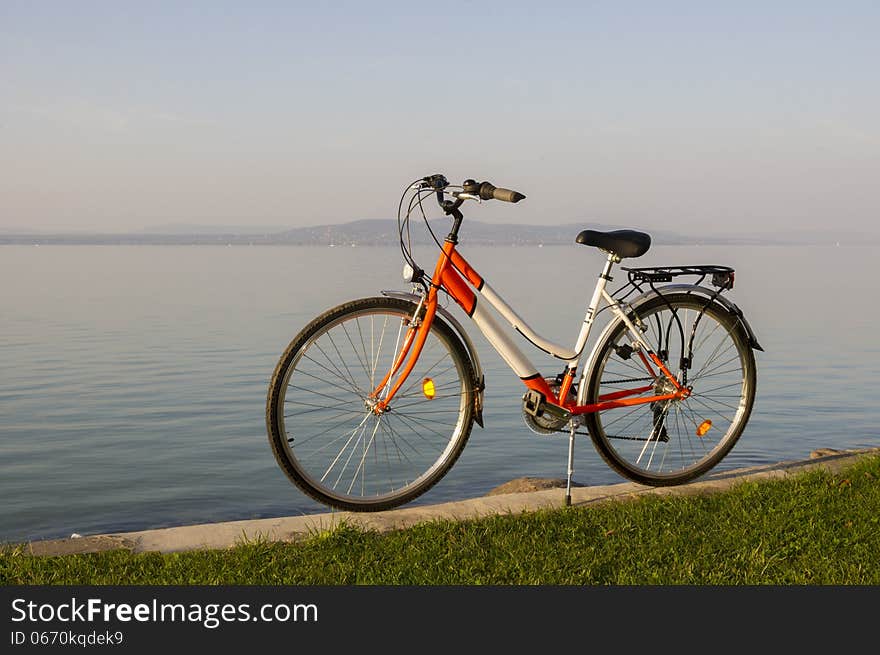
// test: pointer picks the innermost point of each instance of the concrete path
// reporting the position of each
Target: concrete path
(225, 535)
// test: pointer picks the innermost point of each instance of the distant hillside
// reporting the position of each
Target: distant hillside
(383, 232)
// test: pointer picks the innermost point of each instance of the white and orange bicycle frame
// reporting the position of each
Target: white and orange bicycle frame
(461, 281)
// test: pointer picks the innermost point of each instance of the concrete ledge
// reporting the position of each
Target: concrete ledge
(289, 529)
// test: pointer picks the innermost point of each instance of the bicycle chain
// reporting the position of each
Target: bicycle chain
(587, 434)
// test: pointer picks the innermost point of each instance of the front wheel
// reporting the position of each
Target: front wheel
(323, 430)
(674, 441)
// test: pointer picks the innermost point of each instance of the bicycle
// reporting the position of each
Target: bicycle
(373, 401)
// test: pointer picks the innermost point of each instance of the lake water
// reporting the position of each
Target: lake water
(133, 379)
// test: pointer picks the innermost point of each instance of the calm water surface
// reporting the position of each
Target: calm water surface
(133, 379)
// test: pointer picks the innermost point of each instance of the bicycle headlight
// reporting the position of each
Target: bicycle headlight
(409, 273)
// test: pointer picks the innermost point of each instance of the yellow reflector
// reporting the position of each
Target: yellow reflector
(703, 427)
(428, 388)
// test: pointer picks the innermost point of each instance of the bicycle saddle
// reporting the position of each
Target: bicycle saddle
(623, 243)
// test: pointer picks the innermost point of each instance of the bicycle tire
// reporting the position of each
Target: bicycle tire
(658, 443)
(363, 461)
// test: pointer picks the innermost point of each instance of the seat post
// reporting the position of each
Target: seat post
(613, 259)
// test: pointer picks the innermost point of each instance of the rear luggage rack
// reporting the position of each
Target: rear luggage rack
(722, 276)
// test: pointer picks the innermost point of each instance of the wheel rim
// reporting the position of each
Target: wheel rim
(337, 443)
(671, 440)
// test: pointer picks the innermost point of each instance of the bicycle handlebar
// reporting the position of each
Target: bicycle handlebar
(488, 191)
(472, 189)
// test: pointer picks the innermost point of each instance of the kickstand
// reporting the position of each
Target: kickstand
(570, 463)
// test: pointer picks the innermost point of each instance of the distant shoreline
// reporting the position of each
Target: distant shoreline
(384, 232)
(239, 241)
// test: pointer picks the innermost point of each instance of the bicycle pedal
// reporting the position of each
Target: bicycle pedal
(532, 401)
(536, 404)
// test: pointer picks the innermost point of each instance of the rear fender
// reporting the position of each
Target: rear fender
(671, 288)
(709, 293)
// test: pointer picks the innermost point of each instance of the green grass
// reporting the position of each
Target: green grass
(815, 528)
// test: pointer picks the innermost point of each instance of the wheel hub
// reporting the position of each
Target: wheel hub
(376, 407)
(663, 386)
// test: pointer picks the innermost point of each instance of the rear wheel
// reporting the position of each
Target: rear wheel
(674, 441)
(320, 419)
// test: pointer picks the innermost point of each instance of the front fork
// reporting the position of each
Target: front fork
(413, 342)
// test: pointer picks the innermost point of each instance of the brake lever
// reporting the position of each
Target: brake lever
(437, 182)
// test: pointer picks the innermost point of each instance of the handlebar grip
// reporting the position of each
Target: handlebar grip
(507, 195)
(489, 191)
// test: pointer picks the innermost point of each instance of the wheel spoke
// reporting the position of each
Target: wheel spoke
(668, 442)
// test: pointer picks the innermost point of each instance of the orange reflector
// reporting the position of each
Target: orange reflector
(428, 388)
(703, 427)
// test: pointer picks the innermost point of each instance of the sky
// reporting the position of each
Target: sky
(711, 117)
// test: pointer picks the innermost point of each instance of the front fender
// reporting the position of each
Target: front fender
(479, 382)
